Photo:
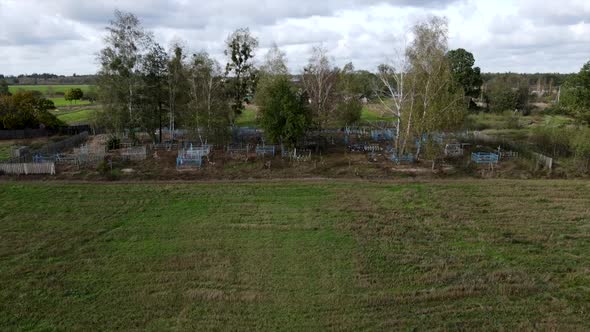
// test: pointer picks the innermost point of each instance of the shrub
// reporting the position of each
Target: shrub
(114, 143)
(581, 147)
(513, 120)
(349, 111)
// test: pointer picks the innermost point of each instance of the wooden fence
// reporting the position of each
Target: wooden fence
(28, 168)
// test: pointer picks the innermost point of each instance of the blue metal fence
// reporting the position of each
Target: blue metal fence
(485, 158)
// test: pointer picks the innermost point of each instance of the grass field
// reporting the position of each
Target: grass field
(247, 118)
(61, 102)
(475, 255)
(43, 88)
(371, 115)
(77, 117)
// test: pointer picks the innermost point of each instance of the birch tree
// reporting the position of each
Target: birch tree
(154, 89)
(417, 87)
(440, 100)
(273, 68)
(209, 107)
(396, 95)
(120, 61)
(320, 81)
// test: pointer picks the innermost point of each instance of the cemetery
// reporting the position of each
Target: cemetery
(346, 152)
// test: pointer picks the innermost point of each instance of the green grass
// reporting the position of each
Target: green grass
(467, 255)
(247, 118)
(44, 88)
(77, 117)
(371, 115)
(5, 151)
(61, 102)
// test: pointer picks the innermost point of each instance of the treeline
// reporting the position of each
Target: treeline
(549, 79)
(49, 79)
(426, 89)
(144, 87)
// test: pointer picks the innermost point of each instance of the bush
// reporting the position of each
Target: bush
(349, 111)
(508, 93)
(114, 143)
(103, 167)
(513, 120)
(556, 110)
(581, 148)
(553, 141)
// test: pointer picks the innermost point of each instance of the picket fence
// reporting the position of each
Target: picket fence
(28, 168)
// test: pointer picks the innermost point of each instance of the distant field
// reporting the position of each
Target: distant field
(465, 255)
(43, 88)
(61, 102)
(247, 118)
(77, 117)
(371, 115)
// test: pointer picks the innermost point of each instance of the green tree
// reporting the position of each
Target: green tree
(464, 73)
(119, 76)
(351, 88)
(154, 71)
(209, 107)
(91, 94)
(73, 94)
(576, 94)
(349, 111)
(240, 50)
(320, 82)
(507, 93)
(437, 102)
(24, 109)
(273, 68)
(178, 86)
(4, 90)
(285, 118)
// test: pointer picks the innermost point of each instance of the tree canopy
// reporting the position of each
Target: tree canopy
(576, 94)
(240, 51)
(464, 73)
(285, 118)
(25, 109)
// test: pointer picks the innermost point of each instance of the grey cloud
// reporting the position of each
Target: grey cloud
(186, 14)
(62, 36)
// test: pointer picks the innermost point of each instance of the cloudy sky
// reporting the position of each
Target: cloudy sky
(63, 36)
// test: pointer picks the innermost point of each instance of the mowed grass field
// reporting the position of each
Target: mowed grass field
(464, 255)
(76, 117)
(61, 102)
(44, 88)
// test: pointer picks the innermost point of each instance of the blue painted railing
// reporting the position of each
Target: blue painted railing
(485, 158)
